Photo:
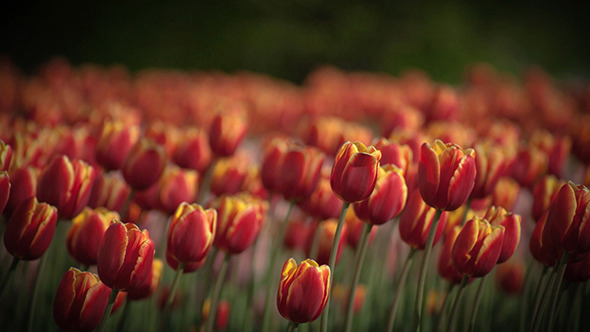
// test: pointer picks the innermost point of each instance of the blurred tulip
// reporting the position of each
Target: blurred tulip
(322, 203)
(303, 290)
(299, 172)
(491, 164)
(115, 142)
(85, 235)
(66, 185)
(444, 104)
(149, 285)
(543, 193)
(497, 216)
(239, 220)
(354, 229)
(446, 175)
(109, 191)
(400, 155)
(528, 166)
(506, 193)
(229, 175)
(175, 186)
(541, 251)
(193, 151)
(327, 134)
(445, 265)
(163, 134)
(557, 149)
(416, 220)
(327, 231)
(23, 184)
(477, 247)
(30, 229)
(510, 277)
(272, 160)
(125, 256)
(5, 156)
(80, 301)
(568, 220)
(403, 117)
(297, 234)
(144, 164)
(223, 311)
(355, 171)
(191, 233)
(4, 190)
(387, 200)
(226, 132)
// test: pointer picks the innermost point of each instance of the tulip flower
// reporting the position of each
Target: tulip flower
(4, 189)
(543, 193)
(416, 221)
(400, 155)
(477, 247)
(85, 235)
(5, 156)
(109, 191)
(144, 164)
(226, 132)
(229, 175)
(510, 277)
(191, 233)
(296, 234)
(557, 149)
(327, 134)
(299, 172)
(543, 252)
(193, 151)
(66, 185)
(529, 164)
(355, 170)
(491, 164)
(80, 301)
(446, 175)
(175, 186)
(149, 285)
(125, 256)
(387, 200)
(506, 193)
(303, 290)
(322, 203)
(497, 216)
(114, 143)
(271, 163)
(239, 220)
(445, 265)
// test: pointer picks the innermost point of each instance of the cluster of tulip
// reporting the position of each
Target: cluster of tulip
(106, 178)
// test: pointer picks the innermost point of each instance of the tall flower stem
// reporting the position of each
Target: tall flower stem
(525, 296)
(557, 289)
(538, 293)
(400, 285)
(332, 263)
(8, 274)
(38, 278)
(453, 315)
(443, 307)
(271, 267)
(546, 294)
(206, 184)
(292, 327)
(168, 305)
(476, 303)
(358, 267)
(127, 203)
(217, 292)
(107, 310)
(126, 309)
(207, 274)
(423, 271)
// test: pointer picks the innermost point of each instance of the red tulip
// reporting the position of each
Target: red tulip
(4, 189)
(477, 247)
(175, 186)
(299, 172)
(149, 285)
(542, 252)
(543, 193)
(30, 229)
(125, 256)
(193, 151)
(416, 220)
(400, 155)
(115, 142)
(144, 164)
(303, 290)
(229, 175)
(5, 156)
(506, 193)
(66, 185)
(23, 184)
(387, 200)
(191, 233)
(80, 301)
(226, 132)
(529, 165)
(445, 265)
(85, 235)
(355, 170)
(491, 164)
(272, 161)
(446, 175)
(109, 191)
(510, 277)
(497, 216)
(322, 203)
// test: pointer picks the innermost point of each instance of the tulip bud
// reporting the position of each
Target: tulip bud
(303, 290)
(4, 189)
(322, 203)
(557, 149)
(193, 151)
(568, 220)
(80, 301)
(387, 200)
(239, 220)
(272, 161)
(326, 133)
(400, 155)
(355, 170)
(175, 186)
(149, 285)
(445, 265)
(125, 256)
(497, 216)
(541, 251)
(491, 165)
(85, 235)
(115, 142)
(543, 193)
(506, 193)
(226, 133)
(299, 172)
(229, 175)
(144, 164)
(23, 184)
(109, 191)
(191, 233)
(416, 220)
(30, 229)
(528, 166)
(477, 247)
(66, 185)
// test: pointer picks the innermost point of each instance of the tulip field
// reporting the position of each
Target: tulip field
(167, 200)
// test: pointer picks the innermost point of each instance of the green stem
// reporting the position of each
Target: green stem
(217, 292)
(537, 298)
(453, 315)
(467, 207)
(207, 273)
(400, 286)
(423, 271)
(313, 252)
(168, 305)
(443, 308)
(525, 296)
(123, 318)
(38, 278)
(107, 310)
(206, 184)
(8, 274)
(276, 247)
(292, 327)
(476, 303)
(538, 316)
(127, 204)
(332, 263)
(557, 288)
(358, 266)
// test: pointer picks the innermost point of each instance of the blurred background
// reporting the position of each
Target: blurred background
(288, 39)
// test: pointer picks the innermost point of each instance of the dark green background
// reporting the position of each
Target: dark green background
(288, 39)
